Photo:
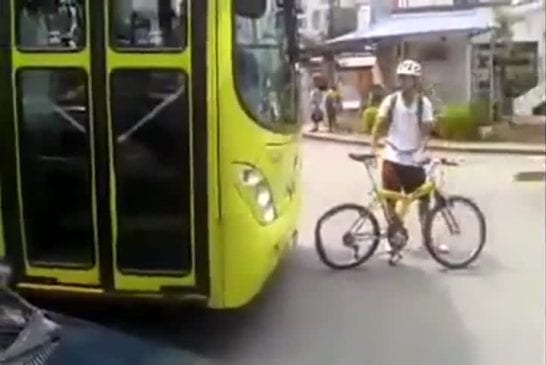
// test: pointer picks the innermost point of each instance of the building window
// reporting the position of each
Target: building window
(467, 2)
(302, 23)
(315, 20)
(149, 24)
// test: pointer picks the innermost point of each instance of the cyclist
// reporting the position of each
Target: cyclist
(407, 116)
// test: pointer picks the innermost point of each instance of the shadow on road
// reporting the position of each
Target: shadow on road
(311, 315)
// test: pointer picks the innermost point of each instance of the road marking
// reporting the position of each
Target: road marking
(537, 158)
(529, 176)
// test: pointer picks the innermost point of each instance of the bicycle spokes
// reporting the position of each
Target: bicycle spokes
(357, 224)
(365, 236)
(353, 238)
(345, 239)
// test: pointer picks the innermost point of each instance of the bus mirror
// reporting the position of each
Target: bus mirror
(250, 8)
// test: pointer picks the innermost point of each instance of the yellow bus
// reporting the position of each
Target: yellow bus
(149, 148)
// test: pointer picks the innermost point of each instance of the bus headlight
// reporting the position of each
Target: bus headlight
(269, 214)
(251, 177)
(255, 190)
(263, 197)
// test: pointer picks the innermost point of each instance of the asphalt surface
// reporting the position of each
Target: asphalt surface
(416, 313)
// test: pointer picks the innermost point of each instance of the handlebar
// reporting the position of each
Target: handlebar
(439, 161)
(368, 159)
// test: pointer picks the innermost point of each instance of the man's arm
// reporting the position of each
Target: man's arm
(428, 120)
(381, 123)
(377, 131)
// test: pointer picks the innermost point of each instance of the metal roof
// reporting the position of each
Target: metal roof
(411, 24)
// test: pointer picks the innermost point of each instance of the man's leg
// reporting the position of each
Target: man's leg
(330, 118)
(315, 121)
(413, 178)
(423, 209)
(391, 181)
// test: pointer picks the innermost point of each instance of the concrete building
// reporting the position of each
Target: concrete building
(354, 72)
(447, 36)
(315, 19)
(526, 72)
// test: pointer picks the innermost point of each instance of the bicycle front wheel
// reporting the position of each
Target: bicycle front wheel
(346, 236)
(454, 214)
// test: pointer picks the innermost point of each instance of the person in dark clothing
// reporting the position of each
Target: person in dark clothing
(317, 114)
(332, 106)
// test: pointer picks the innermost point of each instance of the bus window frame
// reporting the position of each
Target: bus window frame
(17, 8)
(148, 50)
(281, 128)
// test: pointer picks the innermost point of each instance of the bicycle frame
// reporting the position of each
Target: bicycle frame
(403, 201)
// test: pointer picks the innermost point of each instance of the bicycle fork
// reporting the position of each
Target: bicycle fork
(447, 214)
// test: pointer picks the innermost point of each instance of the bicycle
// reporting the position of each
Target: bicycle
(396, 234)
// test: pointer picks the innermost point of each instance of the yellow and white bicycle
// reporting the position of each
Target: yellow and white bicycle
(359, 236)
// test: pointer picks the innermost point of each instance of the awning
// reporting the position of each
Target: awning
(411, 24)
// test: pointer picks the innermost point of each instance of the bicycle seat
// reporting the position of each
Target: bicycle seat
(362, 157)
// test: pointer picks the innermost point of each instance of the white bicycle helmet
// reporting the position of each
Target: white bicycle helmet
(409, 68)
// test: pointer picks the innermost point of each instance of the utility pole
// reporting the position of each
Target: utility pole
(330, 62)
(492, 78)
(330, 31)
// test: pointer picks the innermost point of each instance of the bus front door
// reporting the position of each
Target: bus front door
(110, 138)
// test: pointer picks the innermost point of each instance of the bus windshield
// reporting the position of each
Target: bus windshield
(264, 75)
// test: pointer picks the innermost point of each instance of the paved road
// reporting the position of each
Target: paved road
(493, 314)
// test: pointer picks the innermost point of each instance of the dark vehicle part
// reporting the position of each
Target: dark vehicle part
(27, 335)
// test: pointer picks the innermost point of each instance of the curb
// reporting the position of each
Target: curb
(452, 147)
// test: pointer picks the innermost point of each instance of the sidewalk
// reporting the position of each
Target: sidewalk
(439, 145)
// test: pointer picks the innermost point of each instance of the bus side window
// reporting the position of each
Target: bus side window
(149, 24)
(58, 24)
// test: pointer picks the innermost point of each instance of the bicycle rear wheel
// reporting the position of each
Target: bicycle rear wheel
(363, 227)
(445, 211)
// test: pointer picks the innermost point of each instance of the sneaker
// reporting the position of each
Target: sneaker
(387, 247)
